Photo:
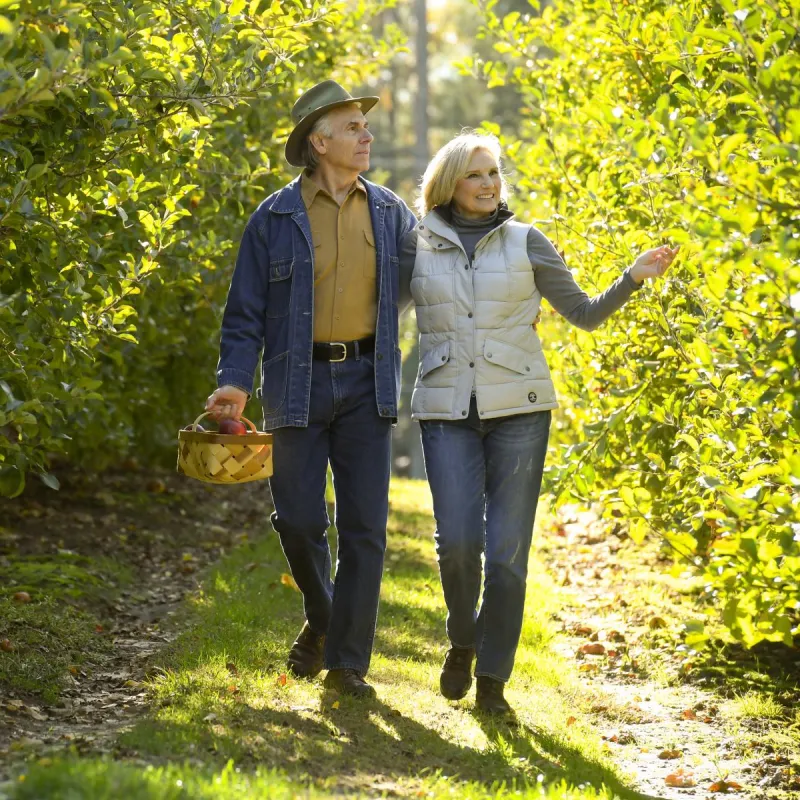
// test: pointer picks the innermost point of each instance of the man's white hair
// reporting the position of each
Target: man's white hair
(323, 127)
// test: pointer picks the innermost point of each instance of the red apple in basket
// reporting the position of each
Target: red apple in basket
(232, 426)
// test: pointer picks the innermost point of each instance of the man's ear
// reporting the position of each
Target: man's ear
(320, 145)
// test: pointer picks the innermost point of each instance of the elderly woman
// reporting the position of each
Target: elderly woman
(484, 394)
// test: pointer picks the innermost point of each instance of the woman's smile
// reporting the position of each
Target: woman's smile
(477, 193)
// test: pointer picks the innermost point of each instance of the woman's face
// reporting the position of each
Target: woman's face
(477, 193)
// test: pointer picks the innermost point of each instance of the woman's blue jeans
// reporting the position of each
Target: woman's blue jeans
(485, 477)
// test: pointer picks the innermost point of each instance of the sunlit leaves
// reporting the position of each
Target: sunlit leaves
(135, 140)
(678, 123)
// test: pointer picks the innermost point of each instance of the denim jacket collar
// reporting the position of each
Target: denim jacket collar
(290, 199)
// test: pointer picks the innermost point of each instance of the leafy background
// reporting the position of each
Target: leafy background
(676, 122)
(135, 138)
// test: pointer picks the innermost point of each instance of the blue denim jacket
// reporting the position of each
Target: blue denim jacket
(270, 305)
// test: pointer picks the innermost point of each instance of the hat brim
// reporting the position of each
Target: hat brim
(295, 144)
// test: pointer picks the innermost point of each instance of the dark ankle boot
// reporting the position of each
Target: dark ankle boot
(489, 697)
(456, 677)
(305, 657)
(348, 681)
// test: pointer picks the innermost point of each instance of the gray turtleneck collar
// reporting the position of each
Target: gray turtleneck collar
(471, 230)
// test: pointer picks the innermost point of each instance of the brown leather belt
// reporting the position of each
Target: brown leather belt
(339, 351)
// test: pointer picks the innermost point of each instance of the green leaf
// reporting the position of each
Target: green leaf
(12, 481)
(50, 480)
(730, 144)
(36, 171)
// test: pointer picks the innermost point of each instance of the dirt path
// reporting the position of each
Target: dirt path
(661, 710)
(667, 721)
(162, 530)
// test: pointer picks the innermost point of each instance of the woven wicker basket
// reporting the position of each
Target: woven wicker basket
(224, 458)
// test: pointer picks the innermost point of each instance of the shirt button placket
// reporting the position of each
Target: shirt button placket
(337, 276)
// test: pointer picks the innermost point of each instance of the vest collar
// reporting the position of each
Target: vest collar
(436, 226)
(446, 213)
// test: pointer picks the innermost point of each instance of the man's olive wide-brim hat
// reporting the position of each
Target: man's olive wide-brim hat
(318, 100)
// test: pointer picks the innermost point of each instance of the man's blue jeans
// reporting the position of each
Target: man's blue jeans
(485, 477)
(344, 429)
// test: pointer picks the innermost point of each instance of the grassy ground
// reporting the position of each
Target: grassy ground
(226, 721)
(44, 619)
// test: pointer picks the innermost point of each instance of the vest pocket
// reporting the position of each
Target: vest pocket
(436, 357)
(509, 356)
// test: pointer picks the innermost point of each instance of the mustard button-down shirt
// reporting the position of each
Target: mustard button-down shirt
(345, 274)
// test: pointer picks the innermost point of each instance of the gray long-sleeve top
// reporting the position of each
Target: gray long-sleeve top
(553, 279)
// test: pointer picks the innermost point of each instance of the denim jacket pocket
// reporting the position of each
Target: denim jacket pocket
(274, 374)
(279, 294)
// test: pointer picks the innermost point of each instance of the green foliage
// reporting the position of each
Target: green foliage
(135, 140)
(680, 122)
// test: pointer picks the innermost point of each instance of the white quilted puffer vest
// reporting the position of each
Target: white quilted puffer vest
(475, 325)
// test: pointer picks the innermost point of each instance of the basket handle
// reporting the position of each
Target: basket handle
(253, 428)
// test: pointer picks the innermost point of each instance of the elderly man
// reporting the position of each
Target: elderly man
(315, 287)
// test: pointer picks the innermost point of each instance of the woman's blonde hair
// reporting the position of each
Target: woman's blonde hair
(448, 166)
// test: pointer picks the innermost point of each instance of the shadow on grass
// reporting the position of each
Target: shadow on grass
(556, 759)
(242, 624)
(368, 744)
(405, 632)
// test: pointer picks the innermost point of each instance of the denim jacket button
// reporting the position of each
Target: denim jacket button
(379, 356)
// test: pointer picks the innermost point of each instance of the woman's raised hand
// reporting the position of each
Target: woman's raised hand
(653, 263)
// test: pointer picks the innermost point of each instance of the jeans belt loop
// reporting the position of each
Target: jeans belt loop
(344, 351)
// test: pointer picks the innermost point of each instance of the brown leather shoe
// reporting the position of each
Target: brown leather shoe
(456, 677)
(348, 681)
(489, 698)
(305, 657)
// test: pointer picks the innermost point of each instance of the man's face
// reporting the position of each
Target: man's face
(348, 146)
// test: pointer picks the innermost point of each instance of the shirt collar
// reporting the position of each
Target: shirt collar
(309, 190)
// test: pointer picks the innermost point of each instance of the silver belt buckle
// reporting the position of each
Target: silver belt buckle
(344, 350)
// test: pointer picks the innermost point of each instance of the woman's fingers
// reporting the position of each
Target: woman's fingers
(655, 262)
